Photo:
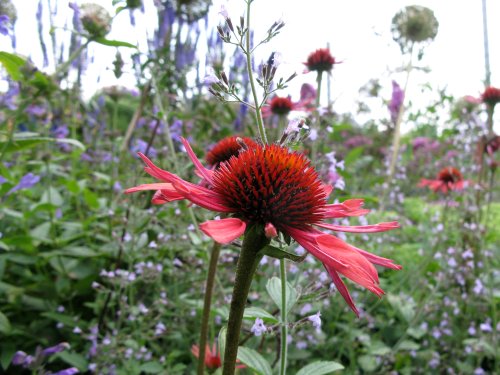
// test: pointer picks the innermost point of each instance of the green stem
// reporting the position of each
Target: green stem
(212, 269)
(284, 322)
(317, 118)
(258, 113)
(253, 242)
(61, 69)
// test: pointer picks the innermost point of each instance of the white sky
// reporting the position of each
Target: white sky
(358, 32)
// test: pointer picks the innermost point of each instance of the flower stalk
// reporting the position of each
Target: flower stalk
(258, 113)
(284, 323)
(212, 269)
(253, 242)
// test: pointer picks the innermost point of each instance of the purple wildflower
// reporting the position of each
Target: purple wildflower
(4, 24)
(396, 102)
(68, 371)
(27, 181)
(258, 328)
(142, 146)
(315, 320)
(55, 349)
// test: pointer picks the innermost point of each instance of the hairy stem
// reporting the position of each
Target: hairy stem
(253, 242)
(284, 323)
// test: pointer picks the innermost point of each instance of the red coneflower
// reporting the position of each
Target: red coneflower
(448, 178)
(277, 189)
(282, 106)
(491, 96)
(212, 358)
(320, 60)
(227, 147)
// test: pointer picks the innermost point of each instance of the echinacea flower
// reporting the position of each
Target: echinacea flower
(278, 190)
(282, 106)
(491, 96)
(320, 60)
(448, 178)
(212, 358)
(226, 148)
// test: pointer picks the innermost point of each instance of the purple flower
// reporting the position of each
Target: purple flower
(55, 349)
(27, 181)
(2, 180)
(4, 24)
(396, 102)
(68, 371)
(258, 328)
(142, 146)
(19, 358)
(315, 320)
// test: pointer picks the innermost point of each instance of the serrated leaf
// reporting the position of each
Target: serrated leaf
(320, 368)
(113, 43)
(254, 361)
(274, 289)
(257, 312)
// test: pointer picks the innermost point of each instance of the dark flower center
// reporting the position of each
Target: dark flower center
(281, 106)
(320, 60)
(271, 185)
(450, 175)
(224, 149)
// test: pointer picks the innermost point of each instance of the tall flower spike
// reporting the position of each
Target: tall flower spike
(279, 191)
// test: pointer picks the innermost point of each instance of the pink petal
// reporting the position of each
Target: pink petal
(350, 207)
(327, 189)
(204, 172)
(225, 230)
(380, 227)
(344, 292)
(156, 186)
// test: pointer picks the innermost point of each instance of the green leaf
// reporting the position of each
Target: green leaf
(74, 359)
(257, 312)
(7, 351)
(4, 324)
(12, 64)
(408, 345)
(254, 361)
(274, 289)
(22, 141)
(320, 368)
(278, 253)
(67, 320)
(113, 43)
(368, 363)
(52, 195)
(222, 342)
(152, 367)
(353, 155)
